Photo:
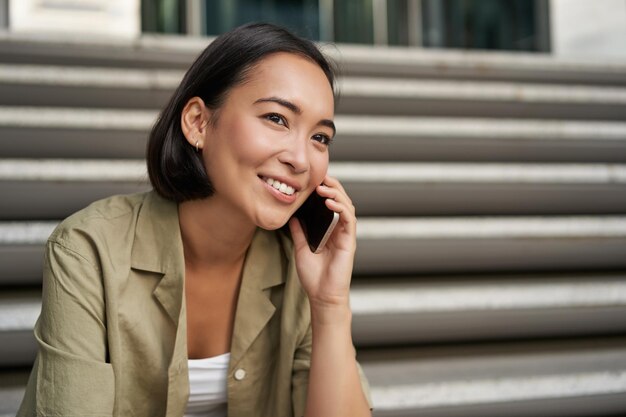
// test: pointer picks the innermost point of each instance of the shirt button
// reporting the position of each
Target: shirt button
(240, 374)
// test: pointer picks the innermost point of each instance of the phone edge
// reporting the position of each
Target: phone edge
(329, 231)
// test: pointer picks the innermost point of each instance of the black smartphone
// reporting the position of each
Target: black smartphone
(317, 221)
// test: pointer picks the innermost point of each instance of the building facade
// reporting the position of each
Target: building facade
(563, 27)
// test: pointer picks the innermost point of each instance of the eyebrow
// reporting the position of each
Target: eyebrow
(297, 110)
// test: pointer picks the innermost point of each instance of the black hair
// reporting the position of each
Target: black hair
(175, 169)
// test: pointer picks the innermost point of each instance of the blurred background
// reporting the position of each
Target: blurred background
(483, 143)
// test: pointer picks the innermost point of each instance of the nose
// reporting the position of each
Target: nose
(296, 155)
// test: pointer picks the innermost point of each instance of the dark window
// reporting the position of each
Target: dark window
(353, 21)
(515, 25)
(299, 16)
(163, 16)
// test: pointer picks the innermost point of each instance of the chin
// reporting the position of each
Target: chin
(272, 226)
(272, 222)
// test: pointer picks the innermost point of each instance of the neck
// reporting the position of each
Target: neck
(213, 235)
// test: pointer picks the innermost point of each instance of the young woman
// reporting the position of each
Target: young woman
(193, 299)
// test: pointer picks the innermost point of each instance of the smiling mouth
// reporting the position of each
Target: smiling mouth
(280, 186)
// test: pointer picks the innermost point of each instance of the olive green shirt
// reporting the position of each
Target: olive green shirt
(112, 332)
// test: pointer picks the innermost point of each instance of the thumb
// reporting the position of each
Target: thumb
(297, 234)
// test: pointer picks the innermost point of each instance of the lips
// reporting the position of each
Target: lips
(288, 194)
(280, 186)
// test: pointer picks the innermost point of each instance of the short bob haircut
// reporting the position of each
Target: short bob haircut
(175, 169)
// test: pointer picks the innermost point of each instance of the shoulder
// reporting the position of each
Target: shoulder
(99, 223)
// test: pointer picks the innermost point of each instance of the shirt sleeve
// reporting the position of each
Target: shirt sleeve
(70, 376)
(300, 379)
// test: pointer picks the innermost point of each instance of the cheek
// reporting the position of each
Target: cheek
(319, 167)
(248, 144)
(235, 147)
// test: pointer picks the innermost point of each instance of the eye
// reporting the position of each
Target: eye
(276, 118)
(322, 138)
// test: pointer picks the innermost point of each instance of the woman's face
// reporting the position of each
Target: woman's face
(268, 149)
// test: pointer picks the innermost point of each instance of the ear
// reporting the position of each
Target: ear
(194, 121)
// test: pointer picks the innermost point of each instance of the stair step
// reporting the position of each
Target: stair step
(560, 378)
(21, 251)
(448, 189)
(396, 138)
(390, 61)
(143, 88)
(86, 87)
(495, 244)
(40, 132)
(381, 96)
(18, 313)
(388, 310)
(147, 51)
(416, 245)
(53, 189)
(12, 385)
(46, 132)
(166, 51)
(49, 189)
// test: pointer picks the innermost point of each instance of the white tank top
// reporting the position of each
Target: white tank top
(207, 386)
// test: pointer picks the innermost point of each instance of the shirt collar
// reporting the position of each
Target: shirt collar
(158, 247)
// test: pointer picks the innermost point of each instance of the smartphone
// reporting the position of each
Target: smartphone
(317, 221)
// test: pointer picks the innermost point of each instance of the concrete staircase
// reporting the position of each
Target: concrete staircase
(491, 188)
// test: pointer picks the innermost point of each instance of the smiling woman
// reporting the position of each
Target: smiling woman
(269, 127)
(193, 299)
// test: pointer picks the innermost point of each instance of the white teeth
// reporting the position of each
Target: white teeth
(283, 188)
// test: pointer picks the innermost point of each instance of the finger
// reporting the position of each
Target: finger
(297, 234)
(346, 217)
(334, 183)
(328, 192)
(336, 195)
(342, 209)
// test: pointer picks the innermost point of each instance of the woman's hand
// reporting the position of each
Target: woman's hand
(326, 276)
(334, 385)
